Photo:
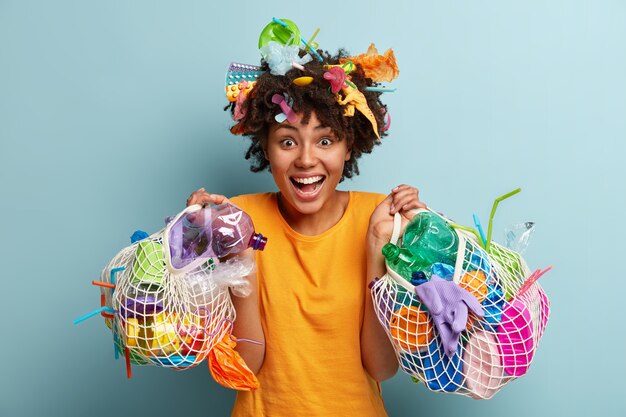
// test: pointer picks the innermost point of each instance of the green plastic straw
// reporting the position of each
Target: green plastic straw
(493, 213)
(467, 229)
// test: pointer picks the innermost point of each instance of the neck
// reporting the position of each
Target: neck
(312, 224)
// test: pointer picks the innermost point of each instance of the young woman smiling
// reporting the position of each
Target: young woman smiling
(324, 351)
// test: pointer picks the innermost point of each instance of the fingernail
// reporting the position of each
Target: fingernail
(393, 207)
(394, 189)
(201, 189)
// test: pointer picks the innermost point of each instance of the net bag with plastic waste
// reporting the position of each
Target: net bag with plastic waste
(167, 297)
(461, 318)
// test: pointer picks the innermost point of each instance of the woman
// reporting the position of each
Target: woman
(324, 351)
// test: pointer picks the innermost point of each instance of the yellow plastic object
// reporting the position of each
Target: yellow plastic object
(228, 368)
(233, 90)
(354, 99)
(303, 81)
(165, 341)
(132, 332)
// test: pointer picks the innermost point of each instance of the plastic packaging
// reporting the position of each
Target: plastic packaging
(517, 236)
(231, 273)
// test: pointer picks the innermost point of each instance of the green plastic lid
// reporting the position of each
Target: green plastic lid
(274, 31)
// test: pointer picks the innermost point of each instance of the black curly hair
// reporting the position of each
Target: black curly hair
(316, 97)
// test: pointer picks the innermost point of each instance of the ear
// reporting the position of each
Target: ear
(348, 154)
(265, 154)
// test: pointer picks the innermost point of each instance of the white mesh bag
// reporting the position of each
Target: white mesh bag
(475, 356)
(166, 297)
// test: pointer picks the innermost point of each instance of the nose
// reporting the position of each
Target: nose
(307, 157)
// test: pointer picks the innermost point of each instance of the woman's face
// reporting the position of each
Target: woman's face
(307, 162)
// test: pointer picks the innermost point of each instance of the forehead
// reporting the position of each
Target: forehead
(313, 124)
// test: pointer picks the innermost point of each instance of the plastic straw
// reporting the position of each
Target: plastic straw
(280, 22)
(467, 229)
(313, 51)
(310, 42)
(129, 372)
(115, 271)
(381, 89)
(493, 213)
(102, 284)
(479, 227)
(94, 313)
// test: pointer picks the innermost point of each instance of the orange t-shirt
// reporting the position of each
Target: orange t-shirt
(312, 291)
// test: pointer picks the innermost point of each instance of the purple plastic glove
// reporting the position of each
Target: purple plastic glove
(448, 304)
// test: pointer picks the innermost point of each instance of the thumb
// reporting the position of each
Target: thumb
(471, 302)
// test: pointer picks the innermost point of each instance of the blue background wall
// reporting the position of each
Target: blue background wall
(111, 114)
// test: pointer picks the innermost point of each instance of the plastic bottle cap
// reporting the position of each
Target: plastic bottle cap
(257, 241)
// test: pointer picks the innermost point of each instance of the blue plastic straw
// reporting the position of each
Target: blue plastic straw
(115, 271)
(312, 50)
(93, 313)
(479, 227)
(381, 89)
(280, 22)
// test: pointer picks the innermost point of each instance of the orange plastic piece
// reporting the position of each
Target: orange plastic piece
(411, 327)
(475, 283)
(377, 67)
(228, 368)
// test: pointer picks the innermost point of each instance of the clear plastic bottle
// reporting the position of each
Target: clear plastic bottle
(431, 239)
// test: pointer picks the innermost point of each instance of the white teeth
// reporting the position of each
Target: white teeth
(309, 180)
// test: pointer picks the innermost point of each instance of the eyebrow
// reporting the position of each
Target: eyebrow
(290, 127)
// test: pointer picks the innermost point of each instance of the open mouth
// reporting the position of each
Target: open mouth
(308, 185)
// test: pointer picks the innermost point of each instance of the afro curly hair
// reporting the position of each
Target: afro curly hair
(259, 111)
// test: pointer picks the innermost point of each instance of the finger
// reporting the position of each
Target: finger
(408, 202)
(396, 199)
(400, 201)
(203, 198)
(198, 198)
(401, 187)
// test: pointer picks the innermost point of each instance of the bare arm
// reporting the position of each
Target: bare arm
(377, 353)
(247, 324)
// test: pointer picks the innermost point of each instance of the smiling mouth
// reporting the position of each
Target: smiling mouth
(308, 185)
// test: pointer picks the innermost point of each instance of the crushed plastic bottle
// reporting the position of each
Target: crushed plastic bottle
(213, 231)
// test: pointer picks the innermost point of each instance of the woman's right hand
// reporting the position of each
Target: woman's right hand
(202, 197)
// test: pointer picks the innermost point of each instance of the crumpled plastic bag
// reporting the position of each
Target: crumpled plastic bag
(280, 57)
(228, 368)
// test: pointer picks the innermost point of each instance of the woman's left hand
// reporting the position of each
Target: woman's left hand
(403, 199)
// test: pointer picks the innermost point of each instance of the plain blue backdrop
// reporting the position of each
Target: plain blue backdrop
(111, 114)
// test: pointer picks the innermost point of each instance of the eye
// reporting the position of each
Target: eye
(287, 143)
(326, 141)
